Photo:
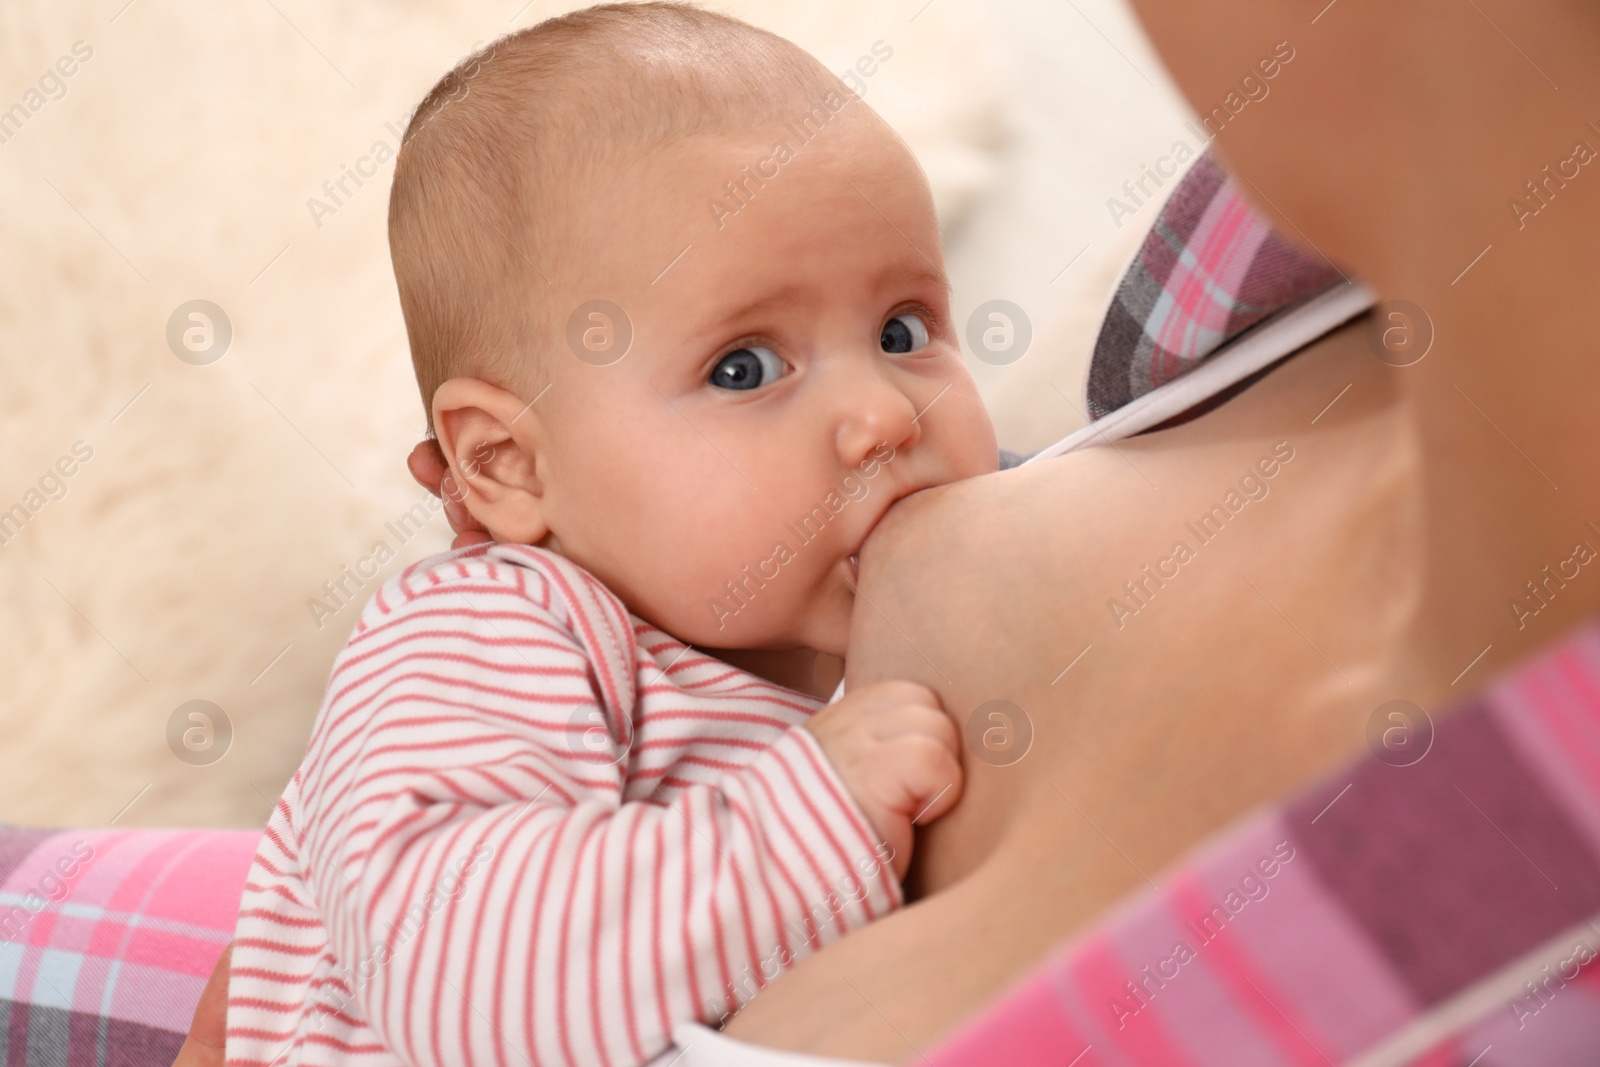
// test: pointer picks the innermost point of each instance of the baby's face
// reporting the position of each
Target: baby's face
(792, 373)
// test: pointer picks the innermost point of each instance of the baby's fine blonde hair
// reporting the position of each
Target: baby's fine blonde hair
(477, 230)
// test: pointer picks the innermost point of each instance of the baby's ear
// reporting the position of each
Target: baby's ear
(487, 436)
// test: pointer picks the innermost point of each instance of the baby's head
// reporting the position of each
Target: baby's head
(678, 310)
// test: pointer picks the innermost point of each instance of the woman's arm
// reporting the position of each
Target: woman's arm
(208, 1027)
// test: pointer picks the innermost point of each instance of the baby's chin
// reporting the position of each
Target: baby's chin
(833, 636)
(824, 630)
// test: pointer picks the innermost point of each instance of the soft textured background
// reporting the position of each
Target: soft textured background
(219, 498)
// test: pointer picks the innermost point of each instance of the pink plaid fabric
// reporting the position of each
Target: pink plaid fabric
(1446, 912)
(1210, 270)
(107, 938)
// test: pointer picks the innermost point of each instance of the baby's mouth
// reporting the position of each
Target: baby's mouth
(854, 559)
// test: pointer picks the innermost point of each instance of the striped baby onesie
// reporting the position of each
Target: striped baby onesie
(531, 828)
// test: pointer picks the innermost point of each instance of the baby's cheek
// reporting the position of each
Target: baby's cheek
(751, 594)
(975, 451)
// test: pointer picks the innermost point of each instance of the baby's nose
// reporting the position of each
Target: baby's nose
(879, 413)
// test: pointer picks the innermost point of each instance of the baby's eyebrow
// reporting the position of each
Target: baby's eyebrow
(898, 274)
(762, 303)
(922, 272)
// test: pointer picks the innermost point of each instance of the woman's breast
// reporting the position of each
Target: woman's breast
(1148, 638)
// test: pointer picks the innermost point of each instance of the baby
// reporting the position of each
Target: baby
(677, 307)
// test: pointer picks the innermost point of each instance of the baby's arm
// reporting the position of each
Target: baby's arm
(516, 899)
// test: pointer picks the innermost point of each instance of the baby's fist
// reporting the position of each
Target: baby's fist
(899, 755)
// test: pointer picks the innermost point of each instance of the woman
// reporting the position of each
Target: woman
(1404, 549)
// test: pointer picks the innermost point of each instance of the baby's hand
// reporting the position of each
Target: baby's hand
(899, 754)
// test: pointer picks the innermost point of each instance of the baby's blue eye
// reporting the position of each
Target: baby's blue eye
(904, 333)
(747, 368)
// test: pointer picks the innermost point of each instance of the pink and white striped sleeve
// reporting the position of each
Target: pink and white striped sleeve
(481, 875)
